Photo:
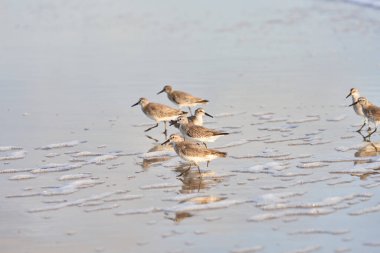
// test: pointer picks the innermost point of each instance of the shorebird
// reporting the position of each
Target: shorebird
(197, 133)
(354, 93)
(370, 111)
(196, 119)
(193, 152)
(158, 112)
(181, 98)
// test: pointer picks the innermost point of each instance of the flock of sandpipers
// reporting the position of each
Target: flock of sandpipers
(365, 109)
(191, 146)
(188, 146)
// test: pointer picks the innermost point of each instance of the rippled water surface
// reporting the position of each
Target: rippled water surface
(78, 173)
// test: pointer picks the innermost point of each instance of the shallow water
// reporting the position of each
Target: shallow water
(79, 174)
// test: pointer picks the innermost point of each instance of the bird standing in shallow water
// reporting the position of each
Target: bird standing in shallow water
(193, 152)
(370, 111)
(198, 133)
(354, 93)
(158, 112)
(181, 98)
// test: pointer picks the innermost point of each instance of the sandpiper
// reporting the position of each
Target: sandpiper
(193, 152)
(182, 98)
(197, 133)
(370, 111)
(158, 112)
(354, 93)
(196, 119)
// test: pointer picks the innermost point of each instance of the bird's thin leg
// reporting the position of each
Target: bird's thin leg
(150, 128)
(361, 127)
(204, 144)
(369, 136)
(199, 170)
(165, 131)
(208, 163)
(364, 138)
(150, 137)
(190, 111)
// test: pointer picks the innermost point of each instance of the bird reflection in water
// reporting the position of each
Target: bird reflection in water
(369, 150)
(193, 182)
(148, 161)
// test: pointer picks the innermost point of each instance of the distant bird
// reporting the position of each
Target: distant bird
(196, 119)
(371, 112)
(182, 98)
(354, 93)
(158, 112)
(198, 133)
(193, 152)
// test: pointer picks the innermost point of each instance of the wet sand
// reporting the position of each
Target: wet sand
(79, 174)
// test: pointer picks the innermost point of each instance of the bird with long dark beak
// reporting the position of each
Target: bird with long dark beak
(158, 112)
(193, 152)
(354, 93)
(370, 111)
(181, 98)
(196, 119)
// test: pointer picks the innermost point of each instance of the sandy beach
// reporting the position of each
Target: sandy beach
(79, 174)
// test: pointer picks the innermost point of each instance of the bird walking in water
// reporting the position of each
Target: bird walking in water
(354, 93)
(198, 133)
(370, 111)
(158, 112)
(181, 98)
(196, 119)
(193, 152)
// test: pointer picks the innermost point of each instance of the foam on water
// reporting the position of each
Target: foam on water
(102, 208)
(14, 156)
(86, 153)
(125, 197)
(272, 198)
(308, 249)
(9, 148)
(139, 211)
(345, 149)
(327, 202)
(74, 176)
(311, 165)
(186, 207)
(320, 231)
(101, 159)
(367, 210)
(337, 118)
(56, 167)
(22, 177)
(77, 202)
(304, 120)
(267, 168)
(157, 154)
(247, 249)
(72, 187)
(68, 144)
(277, 215)
(283, 129)
(228, 114)
(260, 114)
